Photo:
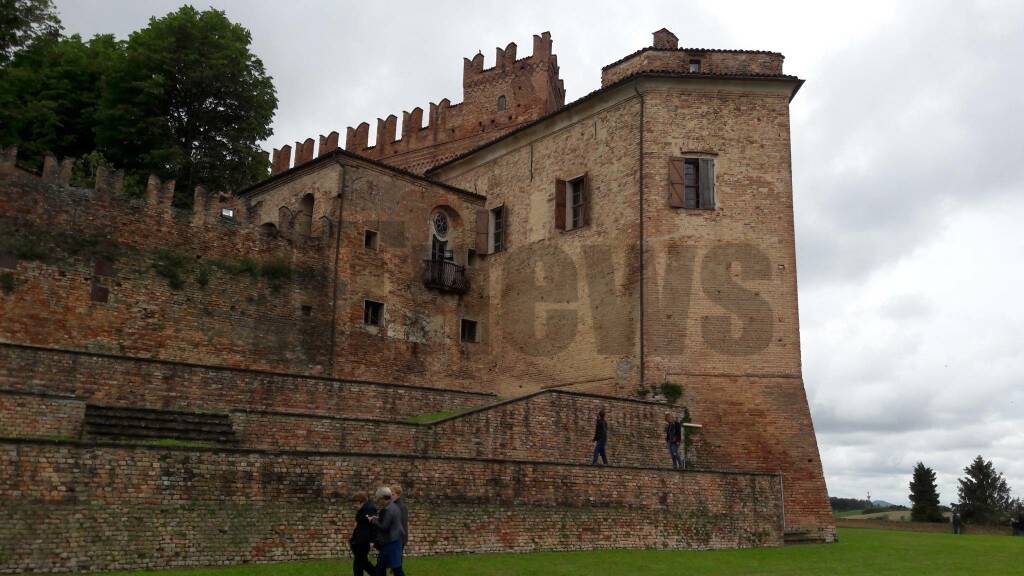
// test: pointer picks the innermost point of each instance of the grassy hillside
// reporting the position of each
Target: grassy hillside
(860, 552)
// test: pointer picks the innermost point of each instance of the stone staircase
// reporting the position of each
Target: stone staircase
(794, 537)
(124, 423)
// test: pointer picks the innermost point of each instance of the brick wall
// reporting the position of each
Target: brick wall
(72, 507)
(711, 62)
(85, 270)
(120, 381)
(548, 426)
(581, 286)
(531, 88)
(33, 414)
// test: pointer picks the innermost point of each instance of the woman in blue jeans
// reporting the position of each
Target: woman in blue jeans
(389, 533)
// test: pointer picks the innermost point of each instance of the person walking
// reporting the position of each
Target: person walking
(396, 497)
(674, 437)
(363, 536)
(389, 533)
(957, 522)
(600, 439)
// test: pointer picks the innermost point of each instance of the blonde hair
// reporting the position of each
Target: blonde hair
(396, 490)
(382, 492)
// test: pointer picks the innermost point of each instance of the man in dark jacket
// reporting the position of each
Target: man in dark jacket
(362, 536)
(674, 437)
(389, 533)
(396, 497)
(600, 439)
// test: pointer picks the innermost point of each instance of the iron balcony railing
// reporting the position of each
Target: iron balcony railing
(445, 276)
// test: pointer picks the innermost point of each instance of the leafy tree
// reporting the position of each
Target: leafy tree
(50, 93)
(22, 22)
(984, 493)
(189, 100)
(924, 493)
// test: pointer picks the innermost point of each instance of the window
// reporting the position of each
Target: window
(307, 310)
(370, 239)
(491, 230)
(692, 183)
(576, 200)
(572, 203)
(468, 332)
(227, 213)
(502, 103)
(694, 65)
(373, 313)
(498, 229)
(470, 257)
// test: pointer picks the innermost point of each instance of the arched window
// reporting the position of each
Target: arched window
(502, 103)
(439, 237)
(304, 219)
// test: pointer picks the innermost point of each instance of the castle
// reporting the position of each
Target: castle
(447, 309)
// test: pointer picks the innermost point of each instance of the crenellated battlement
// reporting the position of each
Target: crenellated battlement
(510, 93)
(210, 209)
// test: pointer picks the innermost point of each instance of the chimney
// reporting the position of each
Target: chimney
(665, 40)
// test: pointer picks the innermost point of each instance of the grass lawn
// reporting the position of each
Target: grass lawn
(860, 551)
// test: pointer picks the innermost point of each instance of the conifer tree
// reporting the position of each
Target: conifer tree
(984, 493)
(924, 494)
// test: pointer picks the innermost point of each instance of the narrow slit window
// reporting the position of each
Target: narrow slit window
(577, 200)
(498, 229)
(502, 103)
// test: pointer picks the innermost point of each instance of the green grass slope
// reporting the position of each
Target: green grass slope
(860, 552)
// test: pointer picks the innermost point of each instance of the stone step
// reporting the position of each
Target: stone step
(126, 423)
(160, 424)
(796, 537)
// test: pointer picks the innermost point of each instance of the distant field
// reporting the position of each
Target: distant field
(859, 552)
(893, 516)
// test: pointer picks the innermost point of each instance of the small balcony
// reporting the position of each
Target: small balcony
(445, 276)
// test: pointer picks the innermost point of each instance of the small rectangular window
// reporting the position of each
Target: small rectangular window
(497, 229)
(370, 239)
(227, 213)
(470, 257)
(373, 313)
(576, 203)
(692, 183)
(468, 332)
(694, 65)
(307, 310)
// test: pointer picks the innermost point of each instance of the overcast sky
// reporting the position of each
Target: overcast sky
(908, 170)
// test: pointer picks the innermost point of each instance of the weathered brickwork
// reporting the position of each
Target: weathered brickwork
(495, 100)
(163, 507)
(68, 245)
(679, 60)
(325, 307)
(40, 415)
(552, 426)
(118, 381)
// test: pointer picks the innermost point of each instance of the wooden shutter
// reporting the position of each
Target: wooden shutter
(675, 183)
(586, 200)
(483, 224)
(560, 204)
(707, 183)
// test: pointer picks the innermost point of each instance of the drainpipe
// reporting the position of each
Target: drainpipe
(643, 379)
(337, 260)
